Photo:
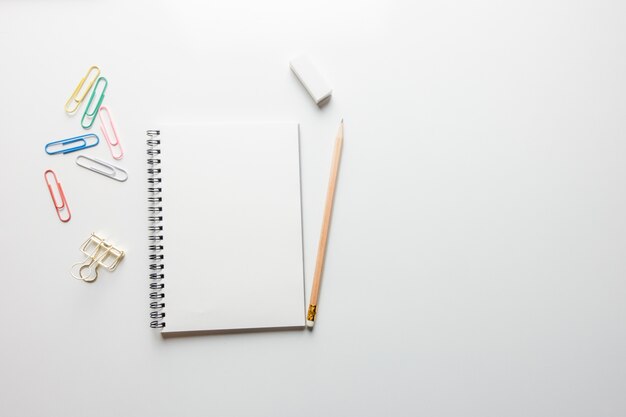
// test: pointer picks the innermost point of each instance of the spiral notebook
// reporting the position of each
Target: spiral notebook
(226, 227)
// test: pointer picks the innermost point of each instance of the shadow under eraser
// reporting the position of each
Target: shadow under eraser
(316, 85)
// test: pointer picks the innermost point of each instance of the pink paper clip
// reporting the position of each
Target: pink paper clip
(113, 141)
(60, 208)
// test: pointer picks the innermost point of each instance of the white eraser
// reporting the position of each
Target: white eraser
(310, 323)
(311, 79)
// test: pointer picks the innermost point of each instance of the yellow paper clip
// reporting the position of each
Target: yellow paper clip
(98, 253)
(77, 97)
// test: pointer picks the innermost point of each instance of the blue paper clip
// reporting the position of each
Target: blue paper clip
(62, 144)
(92, 114)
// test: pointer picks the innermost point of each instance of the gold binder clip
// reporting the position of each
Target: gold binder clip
(98, 253)
(77, 97)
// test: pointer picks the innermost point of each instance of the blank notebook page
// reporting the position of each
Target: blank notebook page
(232, 227)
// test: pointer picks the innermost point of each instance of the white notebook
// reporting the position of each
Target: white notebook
(226, 227)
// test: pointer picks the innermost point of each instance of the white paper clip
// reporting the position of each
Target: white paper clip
(102, 168)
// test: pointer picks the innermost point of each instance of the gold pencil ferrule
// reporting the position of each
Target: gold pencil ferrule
(311, 314)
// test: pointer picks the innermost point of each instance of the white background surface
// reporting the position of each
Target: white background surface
(476, 261)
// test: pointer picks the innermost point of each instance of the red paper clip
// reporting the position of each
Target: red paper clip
(112, 140)
(60, 208)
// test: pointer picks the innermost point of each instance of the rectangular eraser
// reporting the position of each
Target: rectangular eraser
(311, 79)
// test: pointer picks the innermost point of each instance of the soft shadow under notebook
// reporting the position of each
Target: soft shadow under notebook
(225, 227)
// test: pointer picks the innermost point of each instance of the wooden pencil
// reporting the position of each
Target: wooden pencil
(321, 249)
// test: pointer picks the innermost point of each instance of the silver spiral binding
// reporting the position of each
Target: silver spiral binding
(155, 229)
